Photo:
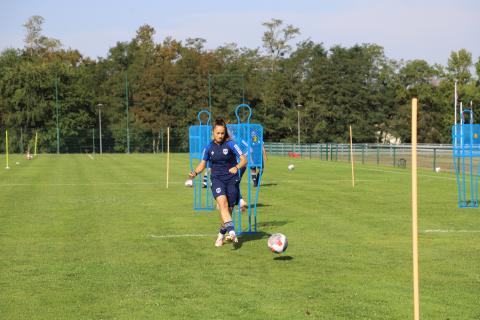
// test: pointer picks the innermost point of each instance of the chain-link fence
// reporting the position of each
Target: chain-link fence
(435, 157)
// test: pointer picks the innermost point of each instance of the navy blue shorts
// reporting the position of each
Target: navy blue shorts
(228, 187)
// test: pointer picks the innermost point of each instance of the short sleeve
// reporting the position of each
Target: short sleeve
(206, 154)
(235, 148)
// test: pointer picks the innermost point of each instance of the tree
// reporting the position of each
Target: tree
(275, 39)
(459, 65)
(35, 42)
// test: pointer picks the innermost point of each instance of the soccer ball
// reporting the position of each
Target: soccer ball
(243, 204)
(437, 169)
(278, 243)
(291, 167)
(189, 183)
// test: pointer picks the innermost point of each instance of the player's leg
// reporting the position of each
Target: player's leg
(253, 173)
(233, 198)
(219, 190)
(243, 204)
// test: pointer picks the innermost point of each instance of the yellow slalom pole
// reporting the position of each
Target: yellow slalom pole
(36, 140)
(416, 298)
(168, 152)
(6, 148)
(351, 158)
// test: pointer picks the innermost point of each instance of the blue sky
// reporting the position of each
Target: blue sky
(407, 29)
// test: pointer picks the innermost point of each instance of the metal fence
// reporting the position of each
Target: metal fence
(431, 156)
(143, 141)
(90, 141)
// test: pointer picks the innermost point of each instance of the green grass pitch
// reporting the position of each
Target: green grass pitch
(79, 239)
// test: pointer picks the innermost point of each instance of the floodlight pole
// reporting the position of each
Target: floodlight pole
(56, 107)
(126, 104)
(100, 125)
(298, 119)
(209, 96)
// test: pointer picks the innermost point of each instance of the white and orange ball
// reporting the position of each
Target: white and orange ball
(278, 243)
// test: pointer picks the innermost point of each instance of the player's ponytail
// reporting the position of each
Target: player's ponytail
(221, 123)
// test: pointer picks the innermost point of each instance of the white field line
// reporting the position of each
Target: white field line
(450, 231)
(180, 236)
(84, 184)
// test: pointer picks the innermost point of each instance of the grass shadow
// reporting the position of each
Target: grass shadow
(245, 237)
(276, 223)
(268, 184)
(283, 258)
(259, 205)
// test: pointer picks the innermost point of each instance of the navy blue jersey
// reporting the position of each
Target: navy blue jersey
(222, 157)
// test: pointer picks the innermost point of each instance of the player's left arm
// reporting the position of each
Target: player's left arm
(238, 152)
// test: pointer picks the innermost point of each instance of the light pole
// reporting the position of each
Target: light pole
(298, 124)
(100, 124)
(126, 111)
(56, 108)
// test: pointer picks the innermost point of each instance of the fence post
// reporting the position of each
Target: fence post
(336, 152)
(378, 155)
(434, 158)
(310, 147)
(394, 156)
(162, 138)
(363, 154)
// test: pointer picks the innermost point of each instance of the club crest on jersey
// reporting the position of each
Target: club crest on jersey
(225, 151)
(212, 153)
(218, 190)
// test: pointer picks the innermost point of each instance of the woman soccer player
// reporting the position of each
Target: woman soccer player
(222, 154)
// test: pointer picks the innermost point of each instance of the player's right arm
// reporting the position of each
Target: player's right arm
(201, 166)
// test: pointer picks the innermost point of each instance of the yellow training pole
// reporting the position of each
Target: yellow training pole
(168, 152)
(351, 158)
(6, 148)
(416, 299)
(36, 139)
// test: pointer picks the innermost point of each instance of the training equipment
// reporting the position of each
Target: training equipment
(189, 183)
(466, 147)
(249, 137)
(199, 137)
(291, 167)
(278, 243)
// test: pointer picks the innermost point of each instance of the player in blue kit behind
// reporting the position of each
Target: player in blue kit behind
(222, 154)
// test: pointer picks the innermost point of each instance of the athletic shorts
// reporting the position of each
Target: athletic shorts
(228, 187)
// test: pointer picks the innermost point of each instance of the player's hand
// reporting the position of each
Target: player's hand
(192, 174)
(233, 170)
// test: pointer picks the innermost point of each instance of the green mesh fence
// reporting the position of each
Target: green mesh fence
(89, 141)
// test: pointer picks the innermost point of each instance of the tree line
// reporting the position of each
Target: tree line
(164, 84)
